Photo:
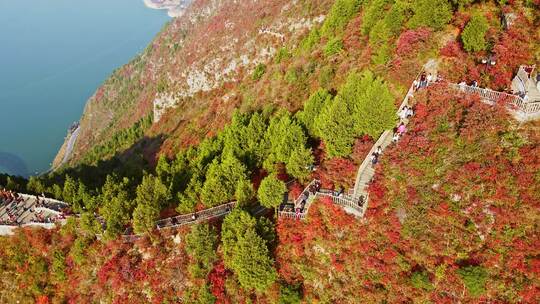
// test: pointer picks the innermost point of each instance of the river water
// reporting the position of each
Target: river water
(53, 56)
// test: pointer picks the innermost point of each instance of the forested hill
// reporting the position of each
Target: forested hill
(251, 101)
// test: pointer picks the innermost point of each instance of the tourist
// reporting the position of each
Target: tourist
(415, 85)
(401, 129)
(361, 201)
(395, 138)
(423, 80)
(429, 79)
(374, 159)
(410, 113)
(379, 150)
(403, 112)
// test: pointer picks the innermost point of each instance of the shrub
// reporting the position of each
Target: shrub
(474, 278)
(333, 46)
(282, 54)
(420, 280)
(259, 71)
(474, 34)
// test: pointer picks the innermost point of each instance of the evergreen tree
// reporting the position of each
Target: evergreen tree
(244, 192)
(163, 170)
(180, 172)
(373, 13)
(299, 164)
(254, 140)
(335, 126)
(145, 217)
(221, 181)
(333, 46)
(271, 192)
(35, 185)
(69, 192)
(374, 108)
(283, 136)
(395, 17)
(432, 13)
(116, 205)
(474, 34)
(201, 245)
(341, 12)
(89, 224)
(153, 192)
(379, 38)
(252, 264)
(234, 226)
(312, 108)
(364, 105)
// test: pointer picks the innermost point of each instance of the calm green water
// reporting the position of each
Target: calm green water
(53, 56)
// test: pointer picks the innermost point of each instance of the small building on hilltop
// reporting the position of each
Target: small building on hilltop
(526, 84)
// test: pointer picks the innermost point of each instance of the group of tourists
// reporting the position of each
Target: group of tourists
(10, 204)
(404, 115)
(312, 189)
(425, 80)
(473, 84)
(16, 210)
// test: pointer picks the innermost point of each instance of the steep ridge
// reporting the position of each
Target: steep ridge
(215, 43)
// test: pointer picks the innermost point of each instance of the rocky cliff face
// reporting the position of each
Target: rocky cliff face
(213, 45)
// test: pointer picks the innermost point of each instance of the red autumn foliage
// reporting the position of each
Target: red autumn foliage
(411, 40)
(217, 278)
(42, 300)
(337, 172)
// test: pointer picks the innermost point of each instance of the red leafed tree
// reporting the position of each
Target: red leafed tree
(411, 40)
(43, 299)
(217, 278)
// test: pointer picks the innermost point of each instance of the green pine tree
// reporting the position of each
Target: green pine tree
(271, 191)
(474, 34)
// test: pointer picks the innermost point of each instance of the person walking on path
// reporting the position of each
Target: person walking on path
(410, 112)
(401, 129)
(395, 137)
(374, 159)
(403, 112)
(379, 150)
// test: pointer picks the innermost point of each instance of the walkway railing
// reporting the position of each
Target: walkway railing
(186, 219)
(515, 101)
(194, 217)
(345, 201)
